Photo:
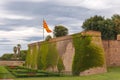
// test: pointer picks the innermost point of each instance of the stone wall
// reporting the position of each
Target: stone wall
(96, 39)
(112, 52)
(66, 50)
(11, 63)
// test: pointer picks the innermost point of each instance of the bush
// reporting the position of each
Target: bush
(28, 58)
(25, 72)
(52, 56)
(31, 58)
(48, 38)
(43, 51)
(48, 56)
(60, 65)
(60, 31)
(7, 56)
(87, 54)
(34, 57)
(23, 54)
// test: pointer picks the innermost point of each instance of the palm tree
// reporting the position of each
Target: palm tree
(15, 51)
(18, 48)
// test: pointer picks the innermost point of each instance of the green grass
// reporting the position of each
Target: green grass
(3, 70)
(4, 73)
(112, 74)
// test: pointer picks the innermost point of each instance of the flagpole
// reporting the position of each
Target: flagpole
(43, 33)
(43, 29)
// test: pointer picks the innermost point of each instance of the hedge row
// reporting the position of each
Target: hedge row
(25, 72)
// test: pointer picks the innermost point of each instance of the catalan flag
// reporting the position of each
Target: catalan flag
(45, 26)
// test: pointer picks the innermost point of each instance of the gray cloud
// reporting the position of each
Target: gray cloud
(14, 22)
(29, 15)
(55, 14)
(44, 9)
(33, 38)
(49, 11)
(4, 40)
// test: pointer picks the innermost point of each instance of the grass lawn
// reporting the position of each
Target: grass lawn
(4, 73)
(112, 74)
(3, 70)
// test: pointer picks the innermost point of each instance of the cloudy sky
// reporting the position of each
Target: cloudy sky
(21, 20)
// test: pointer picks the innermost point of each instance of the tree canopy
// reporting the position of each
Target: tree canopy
(109, 27)
(6, 56)
(48, 38)
(60, 31)
(23, 54)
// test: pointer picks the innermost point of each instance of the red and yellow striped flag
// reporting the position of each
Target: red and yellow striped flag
(46, 26)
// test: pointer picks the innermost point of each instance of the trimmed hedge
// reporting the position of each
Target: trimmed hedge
(25, 72)
(87, 54)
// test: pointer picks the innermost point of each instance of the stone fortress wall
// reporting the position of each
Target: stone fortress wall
(112, 52)
(66, 50)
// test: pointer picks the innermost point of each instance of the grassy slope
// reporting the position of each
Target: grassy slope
(3, 70)
(112, 74)
(4, 73)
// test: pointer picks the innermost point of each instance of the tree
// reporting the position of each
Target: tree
(116, 20)
(93, 23)
(23, 54)
(18, 48)
(7, 56)
(108, 32)
(109, 28)
(48, 38)
(60, 31)
(15, 51)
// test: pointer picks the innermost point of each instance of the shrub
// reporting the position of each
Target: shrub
(87, 54)
(52, 56)
(60, 65)
(48, 55)
(23, 54)
(34, 57)
(43, 51)
(48, 38)
(31, 58)
(7, 56)
(28, 58)
(25, 72)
